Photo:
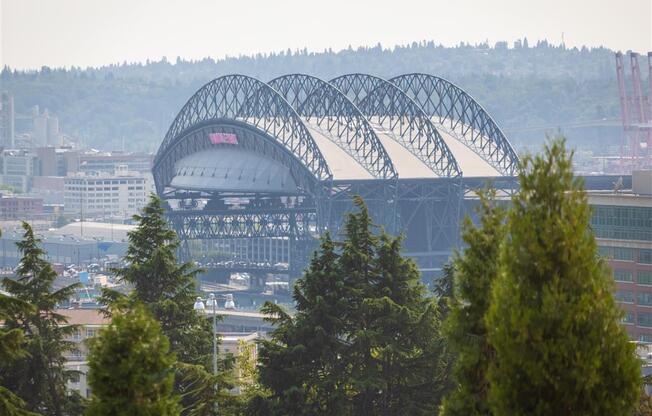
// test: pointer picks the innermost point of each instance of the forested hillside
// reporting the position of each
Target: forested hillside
(526, 88)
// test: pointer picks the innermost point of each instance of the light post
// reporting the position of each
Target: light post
(211, 302)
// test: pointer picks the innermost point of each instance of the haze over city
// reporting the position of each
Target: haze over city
(84, 33)
(303, 208)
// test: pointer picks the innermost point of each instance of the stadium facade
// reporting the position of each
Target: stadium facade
(253, 172)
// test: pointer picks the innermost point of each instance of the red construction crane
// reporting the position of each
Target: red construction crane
(636, 112)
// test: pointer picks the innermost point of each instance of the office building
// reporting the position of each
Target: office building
(17, 169)
(109, 161)
(622, 222)
(14, 207)
(102, 195)
(7, 120)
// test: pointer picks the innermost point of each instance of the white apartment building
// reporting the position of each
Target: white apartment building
(122, 194)
(90, 322)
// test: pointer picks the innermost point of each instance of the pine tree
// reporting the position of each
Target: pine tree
(11, 348)
(401, 352)
(553, 321)
(39, 376)
(443, 292)
(168, 290)
(364, 339)
(474, 270)
(131, 367)
(305, 349)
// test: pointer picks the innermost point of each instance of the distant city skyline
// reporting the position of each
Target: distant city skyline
(84, 33)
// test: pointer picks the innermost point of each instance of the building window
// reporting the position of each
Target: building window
(622, 253)
(644, 319)
(90, 332)
(76, 335)
(644, 299)
(628, 318)
(645, 256)
(625, 296)
(621, 275)
(644, 277)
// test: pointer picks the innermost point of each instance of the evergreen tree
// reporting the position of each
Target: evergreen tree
(11, 348)
(301, 364)
(364, 339)
(474, 273)
(443, 291)
(553, 321)
(131, 367)
(168, 290)
(397, 353)
(39, 376)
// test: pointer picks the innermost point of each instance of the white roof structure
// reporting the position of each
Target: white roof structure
(103, 231)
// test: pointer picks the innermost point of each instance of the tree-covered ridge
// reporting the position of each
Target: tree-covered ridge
(520, 86)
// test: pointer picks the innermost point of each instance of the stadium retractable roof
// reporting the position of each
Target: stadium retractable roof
(298, 131)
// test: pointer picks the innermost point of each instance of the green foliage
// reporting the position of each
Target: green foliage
(553, 322)
(644, 405)
(248, 380)
(443, 290)
(37, 375)
(11, 348)
(168, 290)
(131, 367)
(474, 273)
(208, 394)
(364, 339)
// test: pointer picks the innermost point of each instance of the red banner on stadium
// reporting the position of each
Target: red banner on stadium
(226, 138)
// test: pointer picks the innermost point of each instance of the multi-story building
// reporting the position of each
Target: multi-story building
(622, 222)
(17, 168)
(109, 161)
(20, 207)
(103, 195)
(89, 322)
(7, 120)
(45, 128)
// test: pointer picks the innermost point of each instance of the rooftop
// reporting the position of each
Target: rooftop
(95, 230)
(625, 198)
(84, 316)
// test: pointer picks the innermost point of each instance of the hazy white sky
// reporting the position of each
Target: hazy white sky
(97, 32)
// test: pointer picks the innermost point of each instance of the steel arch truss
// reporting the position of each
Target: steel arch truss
(294, 223)
(384, 104)
(455, 110)
(323, 105)
(246, 99)
(250, 138)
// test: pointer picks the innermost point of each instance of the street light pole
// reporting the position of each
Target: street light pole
(212, 302)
